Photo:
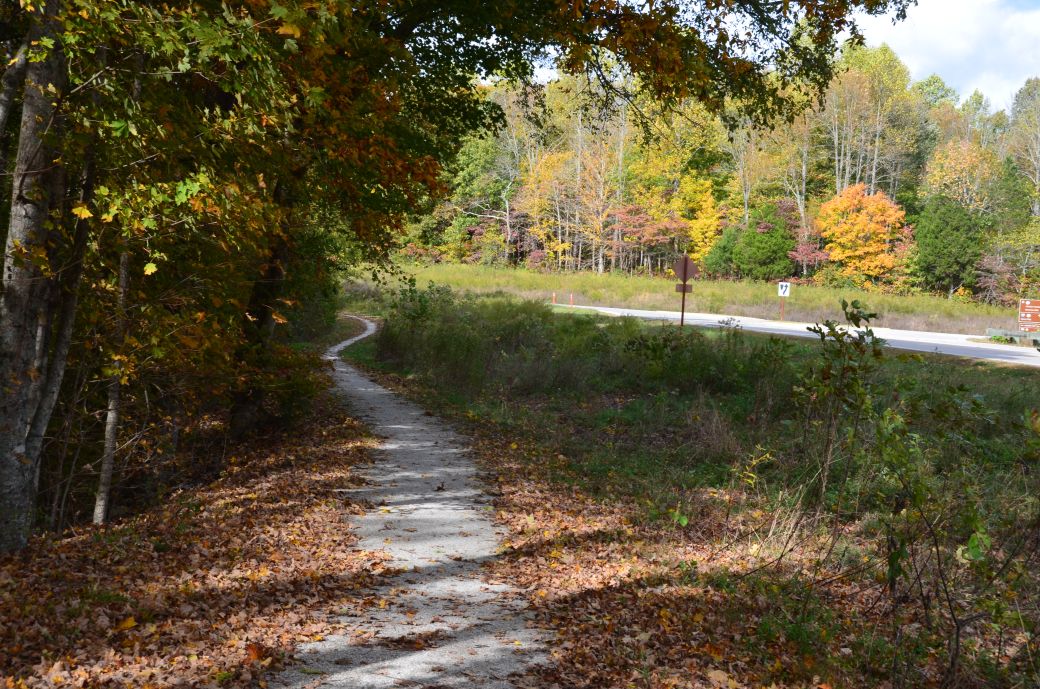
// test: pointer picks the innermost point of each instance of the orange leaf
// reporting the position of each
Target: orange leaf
(255, 652)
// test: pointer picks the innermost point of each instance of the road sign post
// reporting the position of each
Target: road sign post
(684, 269)
(1029, 315)
(783, 289)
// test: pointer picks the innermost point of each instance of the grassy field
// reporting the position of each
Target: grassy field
(807, 303)
(649, 469)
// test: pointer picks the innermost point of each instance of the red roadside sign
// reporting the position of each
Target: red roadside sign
(685, 268)
(1029, 315)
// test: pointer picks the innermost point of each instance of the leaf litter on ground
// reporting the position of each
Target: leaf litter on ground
(212, 588)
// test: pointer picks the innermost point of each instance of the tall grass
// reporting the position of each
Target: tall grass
(808, 303)
(911, 478)
(500, 348)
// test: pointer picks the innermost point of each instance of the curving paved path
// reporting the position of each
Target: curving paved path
(443, 624)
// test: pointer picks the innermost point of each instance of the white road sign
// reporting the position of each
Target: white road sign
(783, 289)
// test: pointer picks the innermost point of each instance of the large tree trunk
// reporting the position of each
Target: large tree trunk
(28, 307)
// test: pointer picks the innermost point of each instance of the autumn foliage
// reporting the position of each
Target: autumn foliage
(213, 588)
(188, 180)
(865, 233)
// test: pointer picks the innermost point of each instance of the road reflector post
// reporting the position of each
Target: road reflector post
(554, 298)
(684, 269)
(572, 298)
(783, 289)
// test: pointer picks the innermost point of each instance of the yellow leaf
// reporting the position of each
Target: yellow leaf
(82, 212)
(289, 30)
(149, 268)
(128, 623)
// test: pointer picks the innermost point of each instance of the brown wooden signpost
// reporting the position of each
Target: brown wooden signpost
(1029, 315)
(684, 269)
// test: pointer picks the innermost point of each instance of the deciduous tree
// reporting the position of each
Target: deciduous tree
(865, 233)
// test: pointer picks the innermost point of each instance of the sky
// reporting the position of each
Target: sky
(989, 45)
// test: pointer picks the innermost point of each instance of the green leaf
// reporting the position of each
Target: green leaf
(978, 545)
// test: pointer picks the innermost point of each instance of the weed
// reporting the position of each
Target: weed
(821, 462)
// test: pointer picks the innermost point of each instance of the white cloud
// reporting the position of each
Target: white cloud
(989, 45)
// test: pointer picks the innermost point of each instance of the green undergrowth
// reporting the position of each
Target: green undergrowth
(643, 408)
(916, 475)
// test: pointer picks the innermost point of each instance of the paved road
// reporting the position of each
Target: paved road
(912, 340)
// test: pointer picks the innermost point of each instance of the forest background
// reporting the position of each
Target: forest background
(884, 183)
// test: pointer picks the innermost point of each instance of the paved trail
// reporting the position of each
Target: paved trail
(445, 625)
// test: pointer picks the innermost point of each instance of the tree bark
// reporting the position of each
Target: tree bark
(27, 306)
(13, 77)
(259, 326)
(67, 299)
(115, 385)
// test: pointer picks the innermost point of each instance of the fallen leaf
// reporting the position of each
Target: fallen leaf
(128, 623)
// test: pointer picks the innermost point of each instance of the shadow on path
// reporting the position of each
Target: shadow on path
(438, 622)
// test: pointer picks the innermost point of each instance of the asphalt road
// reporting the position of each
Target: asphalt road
(966, 346)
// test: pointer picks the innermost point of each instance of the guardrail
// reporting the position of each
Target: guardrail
(1020, 336)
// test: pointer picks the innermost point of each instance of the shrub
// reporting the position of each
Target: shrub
(763, 250)
(719, 260)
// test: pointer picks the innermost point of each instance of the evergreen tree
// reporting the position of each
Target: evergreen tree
(949, 246)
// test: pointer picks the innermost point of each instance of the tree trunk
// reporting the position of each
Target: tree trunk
(14, 77)
(509, 229)
(108, 456)
(67, 294)
(27, 306)
(877, 147)
(259, 327)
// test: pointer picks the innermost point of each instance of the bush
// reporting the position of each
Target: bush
(471, 344)
(719, 260)
(462, 342)
(762, 250)
(878, 471)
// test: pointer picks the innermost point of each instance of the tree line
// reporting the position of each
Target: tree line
(189, 180)
(880, 182)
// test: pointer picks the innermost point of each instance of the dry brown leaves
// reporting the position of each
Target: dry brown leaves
(641, 604)
(613, 589)
(211, 589)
